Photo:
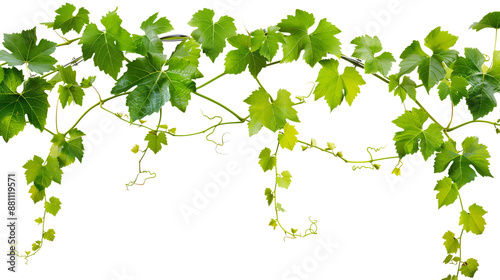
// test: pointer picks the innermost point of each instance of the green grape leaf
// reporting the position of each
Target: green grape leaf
(451, 277)
(32, 101)
(267, 41)
(71, 91)
(238, 60)
(151, 42)
(461, 172)
(272, 115)
(187, 50)
(35, 173)
(53, 205)
(49, 235)
(67, 150)
(155, 141)
(273, 223)
(24, 49)
(135, 149)
(289, 137)
(451, 243)
(412, 124)
(107, 46)
(280, 208)
(42, 175)
(430, 72)
(284, 179)
(456, 89)
(211, 35)
(491, 20)
(315, 45)
(447, 192)
(473, 221)
(366, 48)
(481, 100)
(335, 87)
(469, 268)
(87, 82)
(411, 58)
(430, 68)
(66, 21)
(406, 87)
(1, 74)
(39, 220)
(438, 40)
(36, 194)
(267, 162)
(69, 94)
(269, 196)
(154, 86)
(35, 246)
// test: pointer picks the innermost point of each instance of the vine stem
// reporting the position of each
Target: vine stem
(360, 64)
(275, 188)
(344, 159)
(93, 106)
(212, 80)
(460, 252)
(221, 105)
(451, 119)
(430, 116)
(68, 42)
(159, 120)
(53, 134)
(57, 106)
(474, 121)
(74, 61)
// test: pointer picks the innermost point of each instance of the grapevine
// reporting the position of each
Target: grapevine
(149, 78)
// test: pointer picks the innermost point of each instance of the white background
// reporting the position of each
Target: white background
(377, 225)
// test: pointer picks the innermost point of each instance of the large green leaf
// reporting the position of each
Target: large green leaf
(71, 91)
(24, 49)
(150, 42)
(66, 21)
(271, 114)
(335, 87)
(430, 68)
(212, 35)
(107, 46)
(455, 88)
(41, 173)
(404, 88)
(473, 155)
(67, 149)
(238, 60)
(154, 86)
(491, 20)
(481, 94)
(266, 42)
(32, 101)
(187, 50)
(315, 45)
(407, 141)
(366, 48)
